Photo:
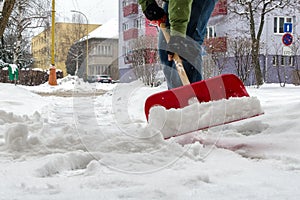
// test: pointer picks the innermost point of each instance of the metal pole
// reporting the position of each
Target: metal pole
(52, 74)
(53, 34)
(87, 41)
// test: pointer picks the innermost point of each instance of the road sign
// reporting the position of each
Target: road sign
(287, 39)
(288, 27)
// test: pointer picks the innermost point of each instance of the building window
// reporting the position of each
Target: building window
(290, 60)
(287, 61)
(279, 23)
(124, 3)
(210, 32)
(138, 23)
(104, 50)
(125, 26)
(98, 69)
(282, 63)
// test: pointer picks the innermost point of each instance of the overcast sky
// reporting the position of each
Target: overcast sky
(97, 11)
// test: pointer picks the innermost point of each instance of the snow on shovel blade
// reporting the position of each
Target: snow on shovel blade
(175, 111)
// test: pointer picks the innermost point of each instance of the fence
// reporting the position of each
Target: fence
(28, 77)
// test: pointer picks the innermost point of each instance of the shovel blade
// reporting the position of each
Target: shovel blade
(220, 87)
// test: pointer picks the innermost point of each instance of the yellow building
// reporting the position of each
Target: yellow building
(66, 34)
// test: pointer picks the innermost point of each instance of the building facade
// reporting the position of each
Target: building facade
(279, 57)
(103, 53)
(132, 25)
(66, 34)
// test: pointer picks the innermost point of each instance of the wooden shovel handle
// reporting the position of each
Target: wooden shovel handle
(176, 58)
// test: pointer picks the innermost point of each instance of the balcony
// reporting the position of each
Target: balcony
(220, 8)
(150, 56)
(216, 45)
(130, 34)
(131, 9)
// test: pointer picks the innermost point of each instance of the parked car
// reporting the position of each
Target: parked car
(99, 78)
(104, 79)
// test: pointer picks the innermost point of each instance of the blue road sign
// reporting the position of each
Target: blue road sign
(288, 27)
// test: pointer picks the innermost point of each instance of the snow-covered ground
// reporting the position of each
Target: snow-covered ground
(92, 146)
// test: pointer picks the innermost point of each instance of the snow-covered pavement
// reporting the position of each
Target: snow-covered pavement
(100, 147)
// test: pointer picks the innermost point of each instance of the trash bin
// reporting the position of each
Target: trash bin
(13, 72)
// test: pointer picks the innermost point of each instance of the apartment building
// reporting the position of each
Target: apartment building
(66, 34)
(279, 56)
(132, 25)
(103, 54)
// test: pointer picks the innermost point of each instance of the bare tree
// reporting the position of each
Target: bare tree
(27, 15)
(240, 48)
(216, 49)
(254, 12)
(145, 59)
(296, 51)
(277, 63)
(77, 51)
(75, 58)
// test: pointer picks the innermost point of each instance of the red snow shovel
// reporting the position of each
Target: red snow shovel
(217, 88)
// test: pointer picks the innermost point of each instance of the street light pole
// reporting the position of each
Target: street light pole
(53, 34)
(87, 40)
(52, 75)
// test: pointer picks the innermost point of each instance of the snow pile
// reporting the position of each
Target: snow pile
(197, 116)
(16, 137)
(63, 85)
(15, 98)
(70, 85)
(63, 162)
(19, 132)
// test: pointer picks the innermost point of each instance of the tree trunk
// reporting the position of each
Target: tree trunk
(7, 9)
(256, 63)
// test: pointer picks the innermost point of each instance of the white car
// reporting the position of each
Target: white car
(104, 79)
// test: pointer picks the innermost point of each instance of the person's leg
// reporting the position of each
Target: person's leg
(196, 30)
(169, 68)
(207, 9)
(201, 11)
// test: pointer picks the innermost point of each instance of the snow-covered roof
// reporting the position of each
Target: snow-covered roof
(108, 30)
